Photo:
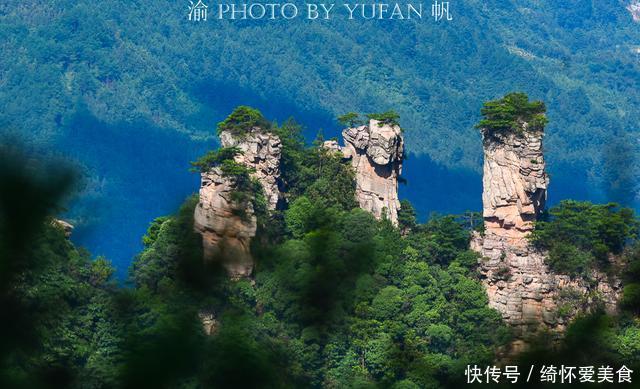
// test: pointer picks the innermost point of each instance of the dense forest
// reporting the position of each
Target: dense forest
(104, 104)
(120, 81)
(338, 298)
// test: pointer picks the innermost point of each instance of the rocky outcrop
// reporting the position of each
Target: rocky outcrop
(515, 185)
(261, 151)
(529, 295)
(66, 227)
(227, 224)
(209, 322)
(376, 151)
(519, 283)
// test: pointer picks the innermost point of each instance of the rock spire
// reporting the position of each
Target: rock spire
(226, 223)
(376, 152)
(519, 283)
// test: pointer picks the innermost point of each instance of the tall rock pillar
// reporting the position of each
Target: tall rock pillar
(514, 185)
(260, 150)
(519, 283)
(376, 152)
(227, 225)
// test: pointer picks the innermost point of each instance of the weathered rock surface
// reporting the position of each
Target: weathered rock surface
(261, 151)
(227, 225)
(519, 283)
(376, 152)
(65, 226)
(209, 322)
(529, 295)
(515, 185)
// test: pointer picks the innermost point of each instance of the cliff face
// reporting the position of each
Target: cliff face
(260, 151)
(519, 284)
(515, 185)
(226, 224)
(376, 152)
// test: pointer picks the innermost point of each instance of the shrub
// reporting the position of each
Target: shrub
(350, 119)
(242, 120)
(407, 216)
(509, 113)
(631, 297)
(215, 158)
(390, 118)
(246, 188)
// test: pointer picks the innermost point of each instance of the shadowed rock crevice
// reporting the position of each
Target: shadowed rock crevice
(376, 152)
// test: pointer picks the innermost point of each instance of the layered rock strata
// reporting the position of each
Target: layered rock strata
(515, 185)
(376, 152)
(226, 224)
(519, 283)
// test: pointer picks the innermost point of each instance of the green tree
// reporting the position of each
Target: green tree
(389, 117)
(407, 216)
(579, 235)
(242, 120)
(509, 114)
(215, 158)
(350, 119)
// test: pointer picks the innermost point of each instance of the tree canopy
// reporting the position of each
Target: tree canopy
(580, 235)
(513, 113)
(242, 120)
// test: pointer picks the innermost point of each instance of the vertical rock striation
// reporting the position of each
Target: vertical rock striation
(376, 151)
(226, 223)
(518, 282)
(515, 185)
(261, 151)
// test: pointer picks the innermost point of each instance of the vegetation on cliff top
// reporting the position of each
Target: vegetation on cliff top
(350, 119)
(245, 187)
(242, 120)
(141, 75)
(215, 158)
(353, 119)
(510, 113)
(390, 118)
(340, 299)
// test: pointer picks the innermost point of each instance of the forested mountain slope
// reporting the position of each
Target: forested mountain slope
(126, 70)
(125, 62)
